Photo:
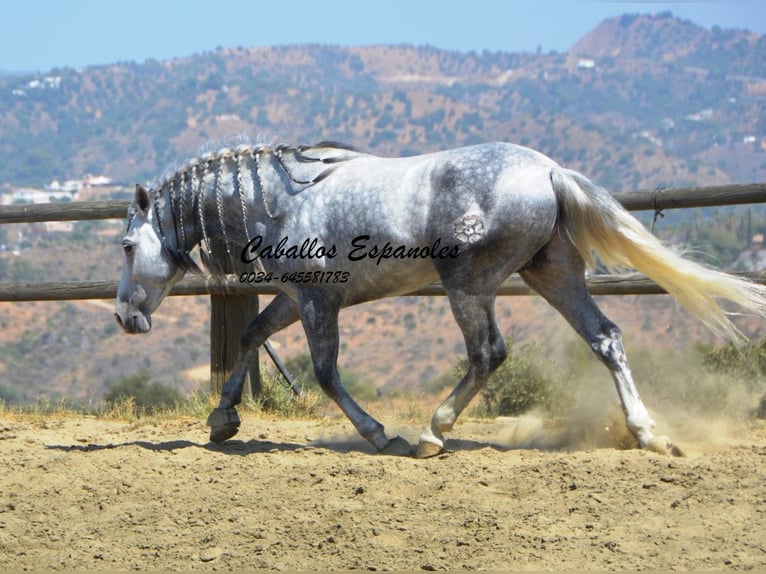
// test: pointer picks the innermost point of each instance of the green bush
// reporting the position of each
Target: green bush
(277, 398)
(522, 383)
(10, 394)
(147, 397)
(748, 360)
(746, 363)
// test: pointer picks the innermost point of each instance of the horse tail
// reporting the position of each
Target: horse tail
(594, 220)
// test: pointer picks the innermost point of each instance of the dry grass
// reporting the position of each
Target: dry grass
(275, 401)
(675, 385)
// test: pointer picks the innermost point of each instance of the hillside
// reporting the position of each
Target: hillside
(637, 102)
(640, 102)
(664, 38)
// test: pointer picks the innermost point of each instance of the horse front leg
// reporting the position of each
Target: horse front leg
(224, 421)
(319, 315)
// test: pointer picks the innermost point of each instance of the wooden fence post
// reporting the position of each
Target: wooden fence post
(229, 316)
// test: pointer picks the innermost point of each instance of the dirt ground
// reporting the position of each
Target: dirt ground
(89, 494)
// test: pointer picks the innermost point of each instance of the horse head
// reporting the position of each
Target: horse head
(149, 271)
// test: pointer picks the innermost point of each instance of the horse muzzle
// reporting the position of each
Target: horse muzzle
(134, 323)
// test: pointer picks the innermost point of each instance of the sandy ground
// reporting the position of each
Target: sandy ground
(88, 494)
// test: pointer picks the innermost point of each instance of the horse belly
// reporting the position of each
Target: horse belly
(362, 263)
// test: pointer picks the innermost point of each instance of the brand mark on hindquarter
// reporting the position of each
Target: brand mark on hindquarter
(469, 228)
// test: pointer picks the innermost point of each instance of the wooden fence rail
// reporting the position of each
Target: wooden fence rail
(659, 199)
(623, 284)
(232, 301)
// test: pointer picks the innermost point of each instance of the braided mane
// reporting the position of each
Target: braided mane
(220, 175)
(301, 154)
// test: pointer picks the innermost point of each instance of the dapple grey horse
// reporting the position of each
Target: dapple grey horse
(331, 227)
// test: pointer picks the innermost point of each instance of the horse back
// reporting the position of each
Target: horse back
(489, 205)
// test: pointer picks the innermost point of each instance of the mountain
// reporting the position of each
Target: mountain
(664, 38)
(642, 101)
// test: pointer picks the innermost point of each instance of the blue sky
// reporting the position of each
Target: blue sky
(36, 35)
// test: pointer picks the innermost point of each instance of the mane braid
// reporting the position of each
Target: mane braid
(201, 208)
(173, 193)
(180, 255)
(155, 207)
(331, 144)
(301, 158)
(330, 161)
(300, 152)
(219, 199)
(240, 187)
(256, 165)
(181, 195)
(193, 186)
(278, 150)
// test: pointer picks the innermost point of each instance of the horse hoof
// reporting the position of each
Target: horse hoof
(397, 446)
(224, 424)
(663, 445)
(220, 434)
(427, 449)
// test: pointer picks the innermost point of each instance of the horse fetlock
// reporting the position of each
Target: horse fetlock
(640, 424)
(443, 420)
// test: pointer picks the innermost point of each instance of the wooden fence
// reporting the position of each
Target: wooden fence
(232, 302)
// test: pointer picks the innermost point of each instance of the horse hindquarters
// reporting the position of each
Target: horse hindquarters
(517, 218)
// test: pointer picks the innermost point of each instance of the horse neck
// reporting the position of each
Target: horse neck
(229, 195)
(212, 202)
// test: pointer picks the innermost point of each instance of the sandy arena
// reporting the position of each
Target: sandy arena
(88, 494)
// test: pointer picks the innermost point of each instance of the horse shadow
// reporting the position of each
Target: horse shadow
(235, 447)
(232, 447)
(565, 439)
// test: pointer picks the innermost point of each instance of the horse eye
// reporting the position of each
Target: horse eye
(127, 248)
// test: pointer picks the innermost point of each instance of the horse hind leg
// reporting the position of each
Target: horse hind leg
(475, 315)
(557, 274)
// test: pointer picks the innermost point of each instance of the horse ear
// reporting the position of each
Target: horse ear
(143, 201)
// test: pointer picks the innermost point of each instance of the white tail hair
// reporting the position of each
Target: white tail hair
(594, 220)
